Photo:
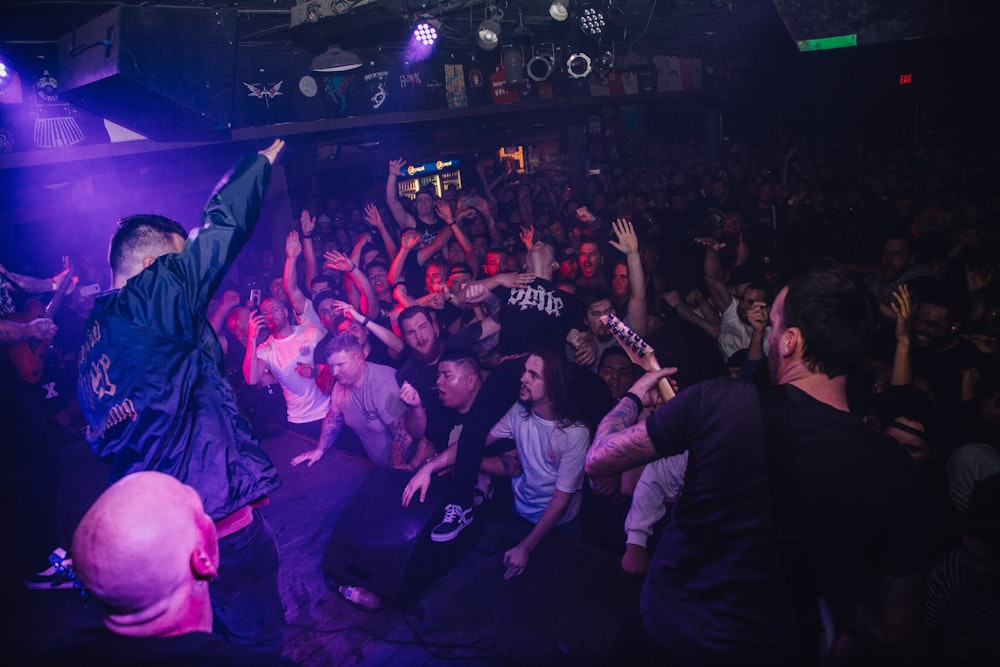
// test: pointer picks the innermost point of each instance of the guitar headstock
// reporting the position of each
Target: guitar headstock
(638, 350)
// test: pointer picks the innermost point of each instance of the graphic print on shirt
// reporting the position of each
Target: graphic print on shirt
(538, 298)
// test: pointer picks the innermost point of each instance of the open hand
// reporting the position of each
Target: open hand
(628, 241)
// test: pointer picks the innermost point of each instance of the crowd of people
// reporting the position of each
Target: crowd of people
(497, 331)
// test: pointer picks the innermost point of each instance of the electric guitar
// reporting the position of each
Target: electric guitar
(639, 351)
(28, 357)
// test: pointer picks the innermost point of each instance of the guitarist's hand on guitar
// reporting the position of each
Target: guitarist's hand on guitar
(42, 328)
(647, 382)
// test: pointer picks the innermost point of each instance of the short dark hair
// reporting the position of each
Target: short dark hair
(140, 235)
(593, 294)
(462, 357)
(413, 311)
(343, 343)
(836, 315)
(323, 296)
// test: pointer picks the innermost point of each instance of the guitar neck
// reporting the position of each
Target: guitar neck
(638, 351)
(57, 298)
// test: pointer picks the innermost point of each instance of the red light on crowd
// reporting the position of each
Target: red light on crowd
(905, 79)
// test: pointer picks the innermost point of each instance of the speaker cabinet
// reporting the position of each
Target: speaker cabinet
(386, 548)
(164, 72)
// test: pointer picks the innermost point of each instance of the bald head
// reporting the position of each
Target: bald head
(147, 550)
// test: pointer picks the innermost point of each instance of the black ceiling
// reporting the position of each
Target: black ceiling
(675, 27)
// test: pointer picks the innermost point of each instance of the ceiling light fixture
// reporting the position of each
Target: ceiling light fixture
(592, 21)
(559, 10)
(489, 31)
(335, 59)
(426, 30)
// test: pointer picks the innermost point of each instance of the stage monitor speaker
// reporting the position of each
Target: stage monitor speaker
(164, 72)
(384, 547)
(880, 22)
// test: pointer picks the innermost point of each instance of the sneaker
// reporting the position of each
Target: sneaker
(455, 519)
(59, 575)
(482, 492)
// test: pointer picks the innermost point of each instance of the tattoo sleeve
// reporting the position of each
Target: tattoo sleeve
(401, 441)
(33, 285)
(620, 444)
(332, 423)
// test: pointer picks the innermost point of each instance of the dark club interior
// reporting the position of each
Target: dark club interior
(455, 315)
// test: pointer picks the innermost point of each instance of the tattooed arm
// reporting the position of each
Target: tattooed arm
(400, 445)
(12, 332)
(621, 444)
(332, 425)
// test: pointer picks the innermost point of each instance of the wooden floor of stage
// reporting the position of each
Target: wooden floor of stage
(572, 606)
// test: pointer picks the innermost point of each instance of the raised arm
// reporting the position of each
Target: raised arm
(628, 243)
(374, 218)
(356, 283)
(444, 212)
(902, 369)
(686, 313)
(293, 249)
(403, 218)
(308, 224)
(253, 367)
(391, 340)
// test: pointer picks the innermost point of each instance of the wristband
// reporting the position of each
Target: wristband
(365, 322)
(307, 236)
(635, 399)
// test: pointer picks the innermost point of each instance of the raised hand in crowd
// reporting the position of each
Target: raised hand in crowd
(307, 223)
(397, 167)
(338, 261)
(901, 307)
(293, 245)
(527, 235)
(628, 241)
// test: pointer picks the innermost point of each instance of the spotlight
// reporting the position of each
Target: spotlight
(488, 34)
(542, 63)
(425, 30)
(6, 74)
(559, 10)
(592, 21)
(578, 66)
(335, 59)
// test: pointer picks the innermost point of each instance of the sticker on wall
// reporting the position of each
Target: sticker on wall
(264, 91)
(55, 125)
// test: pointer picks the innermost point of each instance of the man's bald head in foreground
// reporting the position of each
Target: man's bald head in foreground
(146, 550)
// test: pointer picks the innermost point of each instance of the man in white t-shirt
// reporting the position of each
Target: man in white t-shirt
(288, 355)
(547, 465)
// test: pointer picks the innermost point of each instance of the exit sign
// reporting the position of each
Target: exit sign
(905, 79)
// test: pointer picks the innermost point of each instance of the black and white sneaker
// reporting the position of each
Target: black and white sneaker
(59, 575)
(455, 519)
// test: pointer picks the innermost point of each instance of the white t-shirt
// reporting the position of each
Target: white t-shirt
(551, 458)
(306, 403)
(735, 334)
